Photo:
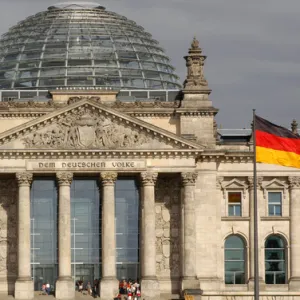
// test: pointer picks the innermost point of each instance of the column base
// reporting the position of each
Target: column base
(65, 288)
(150, 288)
(109, 288)
(294, 284)
(24, 289)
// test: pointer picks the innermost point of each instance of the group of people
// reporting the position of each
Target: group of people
(46, 289)
(92, 290)
(130, 290)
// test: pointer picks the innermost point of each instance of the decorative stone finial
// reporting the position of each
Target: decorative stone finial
(195, 62)
(294, 127)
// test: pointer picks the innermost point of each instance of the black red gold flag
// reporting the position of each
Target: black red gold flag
(276, 145)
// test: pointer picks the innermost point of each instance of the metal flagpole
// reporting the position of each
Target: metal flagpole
(256, 264)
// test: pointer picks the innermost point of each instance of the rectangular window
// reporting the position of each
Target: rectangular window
(275, 203)
(234, 204)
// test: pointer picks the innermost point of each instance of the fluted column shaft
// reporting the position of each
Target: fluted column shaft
(24, 269)
(108, 225)
(64, 225)
(188, 225)
(148, 259)
(294, 182)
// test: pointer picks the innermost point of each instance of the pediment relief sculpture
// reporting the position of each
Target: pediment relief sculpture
(86, 129)
(85, 124)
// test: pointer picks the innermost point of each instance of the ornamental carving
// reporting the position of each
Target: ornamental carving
(80, 98)
(88, 128)
(189, 178)
(149, 178)
(24, 178)
(64, 178)
(294, 181)
(167, 226)
(259, 181)
(108, 177)
(8, 227)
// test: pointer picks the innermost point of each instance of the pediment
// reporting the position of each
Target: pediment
(275, 184)
(234, 184)
(88, 124)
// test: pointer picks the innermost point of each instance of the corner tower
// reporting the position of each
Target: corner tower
(196, 112)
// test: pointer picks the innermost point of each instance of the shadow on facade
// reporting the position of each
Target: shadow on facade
(8, 234)
(168, 233)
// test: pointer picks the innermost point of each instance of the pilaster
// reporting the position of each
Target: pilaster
(64, 285)
(109, 283)
(24, 284)
(294, 282)
(150, 284)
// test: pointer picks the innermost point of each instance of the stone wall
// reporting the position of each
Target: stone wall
(8, 234)
(168, 223)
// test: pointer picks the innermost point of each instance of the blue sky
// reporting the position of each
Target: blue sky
(252, 48)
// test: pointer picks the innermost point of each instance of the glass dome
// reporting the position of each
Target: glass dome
(71, 45)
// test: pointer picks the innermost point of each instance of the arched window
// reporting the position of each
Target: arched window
(234, 260)
(275, 263)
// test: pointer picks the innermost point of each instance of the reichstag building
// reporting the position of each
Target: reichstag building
(110, 169)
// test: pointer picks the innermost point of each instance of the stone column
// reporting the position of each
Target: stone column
(149, 283)
(64, 285)
(24, 284)
(189, 279)
(251, 232)
(109, 284)
(294, 283)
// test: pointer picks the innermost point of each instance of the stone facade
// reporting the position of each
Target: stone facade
(185, 176)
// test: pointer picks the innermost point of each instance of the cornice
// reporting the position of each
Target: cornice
(92, 154)
(223, 156)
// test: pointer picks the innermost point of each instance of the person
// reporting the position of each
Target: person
(89, 288)
(80, 288)
(44, 289)
(138, 294)
(48, 288)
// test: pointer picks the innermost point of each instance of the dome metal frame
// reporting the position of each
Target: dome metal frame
(78, 47)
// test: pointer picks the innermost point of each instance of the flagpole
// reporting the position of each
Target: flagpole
(256, 263)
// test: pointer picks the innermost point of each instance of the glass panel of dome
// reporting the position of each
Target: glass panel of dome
(80, 81)
(27, 65)
(126, 55)
(79, 62)
(27, 74)
(105, 63)
(145, 57)
(32, 46)
(50, 72)
(132, 73)
(149, 66)
(108, 81)
(11, 57)
(25, 84)
(152, 84)
(57, 63)
(134, 83)
(152, 74)
(129, 64)
(51, 82)
(107, 72)
(80, 71)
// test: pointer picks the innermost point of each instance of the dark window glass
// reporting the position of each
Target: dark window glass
(234, 260)
(275, 203)
(85, 229)
(43, 231)
(127, 228)
(234, 203)
(275, 264)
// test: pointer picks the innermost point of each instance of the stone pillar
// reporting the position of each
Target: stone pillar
(109, 284)
(24, 284)
(189, 278)
(294, 282)
(64, 285)
(251, 232)
(149, 283)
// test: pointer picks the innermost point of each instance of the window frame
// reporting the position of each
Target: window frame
(284, 260)
(235, 204)
(244, 260)
(274, 204)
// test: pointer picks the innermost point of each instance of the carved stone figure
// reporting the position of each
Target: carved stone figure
(195, 44)
(85, 128)
(167, 225)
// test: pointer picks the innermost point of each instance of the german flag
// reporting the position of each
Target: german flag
(276, 145)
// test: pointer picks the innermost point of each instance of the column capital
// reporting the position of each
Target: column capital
(189, 178)
(24, 178)
(64, 178)
(251, 181)
(108, 178)
(149, 178)
(294, 182)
